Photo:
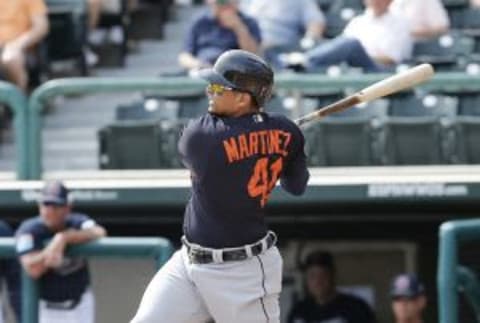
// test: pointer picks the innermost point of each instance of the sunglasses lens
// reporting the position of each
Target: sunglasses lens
(215, 89)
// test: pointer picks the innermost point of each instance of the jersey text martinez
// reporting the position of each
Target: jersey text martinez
(263, 142)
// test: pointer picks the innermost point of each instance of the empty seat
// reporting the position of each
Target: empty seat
(171, 132)
(118, 18)
(340, 142)
(68, 29)
(148, 109)
(467, 135)
(468, 20)
(337, 20)
(469, 103)
(445, 51)
(131, 145)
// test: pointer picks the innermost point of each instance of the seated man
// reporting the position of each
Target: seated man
(376, 40)
(23, 24)
(323, 303)
(217, 30)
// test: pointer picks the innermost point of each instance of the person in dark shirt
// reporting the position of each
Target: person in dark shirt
(323, 303)
(408, 299)
(10, 270)
(220, 28)
(65, 296)
(229, 268)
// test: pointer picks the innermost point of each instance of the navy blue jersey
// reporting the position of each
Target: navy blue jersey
(234, 165)
(67, 282)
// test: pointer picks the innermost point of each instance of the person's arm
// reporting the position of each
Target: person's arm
(36, 263)
(188, 61)
(34, 35)
(295, 175)
(246, 38)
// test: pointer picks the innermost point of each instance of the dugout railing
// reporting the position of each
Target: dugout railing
(159, 249)
(11, 96)
(453, 278)
(296, 85)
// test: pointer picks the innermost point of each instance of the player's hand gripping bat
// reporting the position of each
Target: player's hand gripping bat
(392, 84)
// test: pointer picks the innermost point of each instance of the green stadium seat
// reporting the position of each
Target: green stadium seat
(455, 3)
(467, 135)
(68, 30)
(444, 52)
(338, 19)
(413, 141)
(171, 132)
(131, 145)
(340, 142)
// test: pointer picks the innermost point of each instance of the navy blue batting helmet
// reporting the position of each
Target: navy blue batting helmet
(242, 71)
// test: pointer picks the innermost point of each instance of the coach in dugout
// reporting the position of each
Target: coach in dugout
(220, 28)
(65, 295)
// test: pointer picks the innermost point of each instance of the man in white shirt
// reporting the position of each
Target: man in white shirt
(376, 40)
(427, 18)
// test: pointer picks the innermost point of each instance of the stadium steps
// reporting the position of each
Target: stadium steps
(69, 136)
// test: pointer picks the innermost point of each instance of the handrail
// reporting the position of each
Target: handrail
(451, 235)
(158, 248)
(300, 83)
(16, 100)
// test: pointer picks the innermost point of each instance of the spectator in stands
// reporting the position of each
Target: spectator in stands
(300, 29)
(376, 40)
(221, 28)
(323, 303)
(475, 3)
(23, 24)
(65, 295)
(408, 299)
(428, 18)
(10, 270)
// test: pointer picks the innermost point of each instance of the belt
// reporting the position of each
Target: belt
(201, 255)
(63, 305)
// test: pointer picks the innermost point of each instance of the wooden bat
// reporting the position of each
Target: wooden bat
(400, 81)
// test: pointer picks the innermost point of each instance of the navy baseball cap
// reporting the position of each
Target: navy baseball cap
(54, 192)
(320, 258)
(406, 285)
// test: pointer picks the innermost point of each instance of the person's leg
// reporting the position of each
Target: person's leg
(15, 69)
(339, 50)
(242, 291)
(94, 7)
(171, 296)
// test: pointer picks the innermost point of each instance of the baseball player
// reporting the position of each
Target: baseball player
(65, 296)
(228, 268)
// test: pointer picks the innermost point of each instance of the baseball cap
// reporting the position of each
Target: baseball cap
(406, 285)
(54, 192)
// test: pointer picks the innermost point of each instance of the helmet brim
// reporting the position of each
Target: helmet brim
(211, 76)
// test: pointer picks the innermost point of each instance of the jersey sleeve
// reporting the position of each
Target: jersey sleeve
(25, 240)
(194, 144)
(81, 221)
(295, 175)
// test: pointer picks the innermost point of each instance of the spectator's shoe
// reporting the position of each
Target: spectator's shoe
(295, 60)
(91, 57)
(115, 35)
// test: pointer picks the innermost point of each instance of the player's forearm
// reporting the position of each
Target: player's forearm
(245, 40)
(36, 33)
(82, 236)
(34, 264)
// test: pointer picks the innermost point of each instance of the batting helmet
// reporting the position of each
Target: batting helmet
(242, 71)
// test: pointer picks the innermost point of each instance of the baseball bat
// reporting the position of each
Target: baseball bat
(400, 81)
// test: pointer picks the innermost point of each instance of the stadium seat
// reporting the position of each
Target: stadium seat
(131, 145)
(468, 103)
(148, 109)
(467, 135)
(338, 5)
(337, 20)
(171, 132)
(413, 141)
(445, 51)
(119, 19)
(68, 28)
(468, 20)
(340, 142)
(455, 3)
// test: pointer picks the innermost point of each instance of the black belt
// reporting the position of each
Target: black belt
(201, 255)
(68, 304)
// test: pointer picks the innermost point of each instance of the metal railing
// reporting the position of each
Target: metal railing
(16, 100)
(451, 277)
(159, 249)
(297, 84)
